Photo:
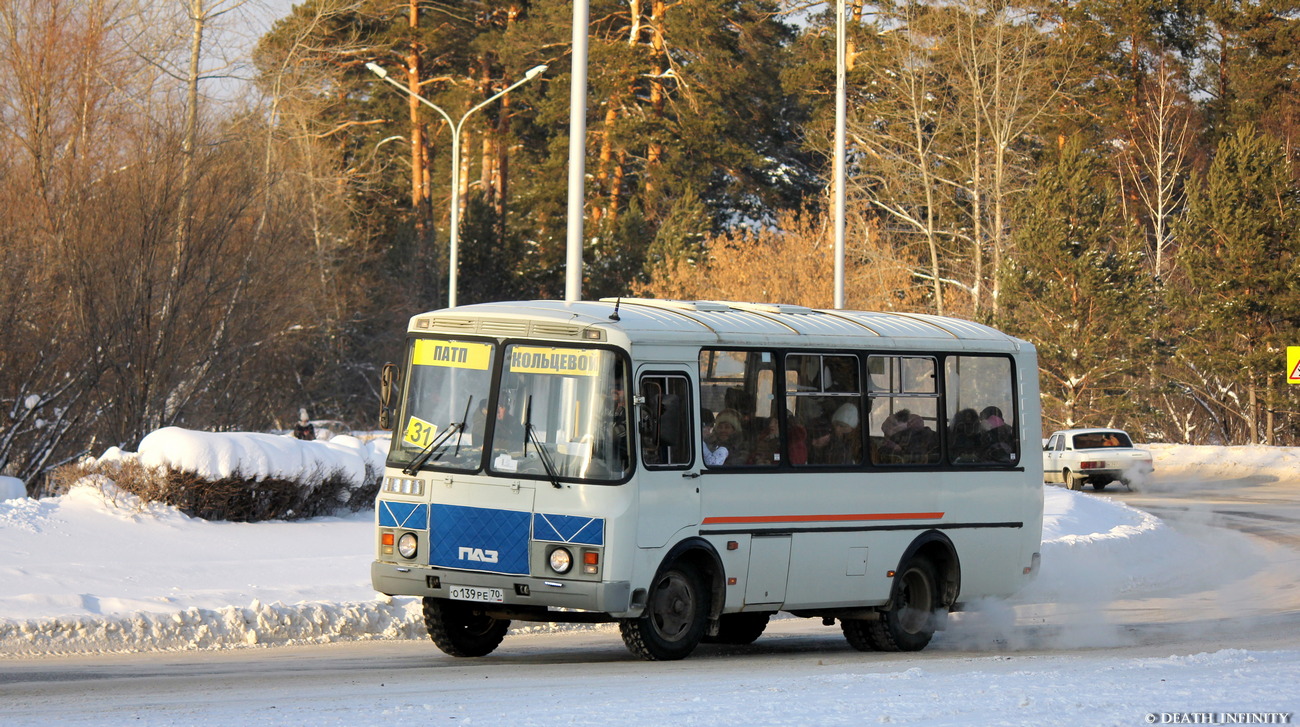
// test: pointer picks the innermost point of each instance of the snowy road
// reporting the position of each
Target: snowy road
(1262, 505)
(801, 673)
(1211, 629)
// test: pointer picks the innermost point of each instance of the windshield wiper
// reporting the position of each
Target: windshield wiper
(437, 443)
(542, 454)
(429, 449)
(463, 418)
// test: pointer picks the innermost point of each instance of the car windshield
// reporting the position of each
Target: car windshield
(444, 410)
(1101, 440)
(561, 414)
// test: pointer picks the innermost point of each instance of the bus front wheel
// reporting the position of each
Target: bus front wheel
(908, 623)
(675, 617)
(458, 631)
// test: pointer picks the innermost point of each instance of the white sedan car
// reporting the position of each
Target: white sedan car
(1095, 456)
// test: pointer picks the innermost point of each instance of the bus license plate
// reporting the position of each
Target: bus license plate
(473, 593)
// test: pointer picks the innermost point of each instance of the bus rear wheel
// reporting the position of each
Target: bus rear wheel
(908, 623)
(675, 617)
(458, 631)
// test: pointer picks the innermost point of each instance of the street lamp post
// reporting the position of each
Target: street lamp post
(841, 96)
(454, 234)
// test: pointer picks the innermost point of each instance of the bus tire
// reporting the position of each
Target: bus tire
(855, 632)
(458, 631)
(908, 623)
(738, 629)
(676, 614)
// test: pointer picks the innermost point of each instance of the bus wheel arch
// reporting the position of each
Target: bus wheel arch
(681, 605)
(925, 587)
(937, 548)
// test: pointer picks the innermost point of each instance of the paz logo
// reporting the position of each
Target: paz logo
(1293, 364)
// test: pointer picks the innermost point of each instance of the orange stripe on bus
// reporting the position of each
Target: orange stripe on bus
(757, 519)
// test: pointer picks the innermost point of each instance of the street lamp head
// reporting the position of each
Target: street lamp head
(378, 70)
(535, 71)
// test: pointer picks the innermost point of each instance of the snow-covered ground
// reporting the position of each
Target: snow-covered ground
(97, 571)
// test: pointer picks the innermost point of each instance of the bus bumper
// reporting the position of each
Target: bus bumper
(610, 597)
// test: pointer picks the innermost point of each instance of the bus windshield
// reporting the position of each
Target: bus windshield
(561, 413)
(444, 412)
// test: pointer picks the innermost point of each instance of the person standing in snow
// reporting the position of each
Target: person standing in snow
(303, 429)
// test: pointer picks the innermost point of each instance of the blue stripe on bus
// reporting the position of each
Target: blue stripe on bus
(571, 529)
(403, 515)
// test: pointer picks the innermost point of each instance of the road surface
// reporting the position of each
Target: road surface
(1237, 590)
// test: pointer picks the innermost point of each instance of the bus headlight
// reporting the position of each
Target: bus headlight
(408, 545)
(561, 560)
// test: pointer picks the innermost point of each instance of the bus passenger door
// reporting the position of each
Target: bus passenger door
(667, 484)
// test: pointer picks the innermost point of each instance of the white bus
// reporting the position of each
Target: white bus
(689, 469)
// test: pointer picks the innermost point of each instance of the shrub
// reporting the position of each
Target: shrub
(236, 498)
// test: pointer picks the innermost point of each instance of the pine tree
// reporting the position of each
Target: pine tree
(1250, 51)
(1241, 301)
(1075, 289)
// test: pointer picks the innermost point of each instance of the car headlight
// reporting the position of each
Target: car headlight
(408, 545)
(561, 560)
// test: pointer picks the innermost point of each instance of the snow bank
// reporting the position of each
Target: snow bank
(218, 455)
(201, 628)
(11, 488)
(1095, 550)
(1206, 462)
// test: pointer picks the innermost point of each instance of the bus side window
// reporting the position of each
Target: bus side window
(823, 395)
(983, 422)
(664, 421)
(904, 410)
(737, 403)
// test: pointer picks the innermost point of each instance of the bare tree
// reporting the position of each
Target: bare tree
(900, 132)
(944, 133)
(117, 329)
(1155, 160)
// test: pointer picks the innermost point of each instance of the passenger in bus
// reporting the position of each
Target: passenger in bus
(843, 445)
(908, 440)
(918, 442)
(713, 455)
(767, 447)
(727, 434)
(797, 439)
(741, 403)
(999, 438)
(886, 449)
(965, 437)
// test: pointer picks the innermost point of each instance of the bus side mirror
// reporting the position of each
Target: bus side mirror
(387, 382)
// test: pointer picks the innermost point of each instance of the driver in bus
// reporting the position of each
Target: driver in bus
(616, 415)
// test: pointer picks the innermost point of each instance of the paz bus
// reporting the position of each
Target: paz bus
(689, 469)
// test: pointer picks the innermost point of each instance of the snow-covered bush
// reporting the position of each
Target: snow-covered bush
(240, 476)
